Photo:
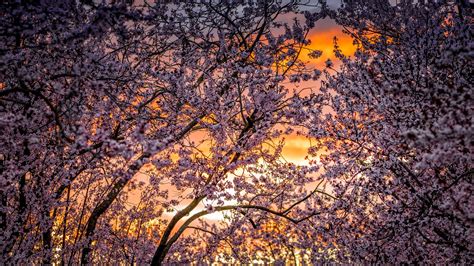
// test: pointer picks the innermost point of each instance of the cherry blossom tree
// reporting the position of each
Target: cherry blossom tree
(64, 100)
(399, 134)
(152, 132)
(171, 106)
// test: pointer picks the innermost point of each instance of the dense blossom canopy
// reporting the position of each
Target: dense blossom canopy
(142, 133)
(400, 134)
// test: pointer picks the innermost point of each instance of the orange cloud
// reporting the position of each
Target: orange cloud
(323, 40)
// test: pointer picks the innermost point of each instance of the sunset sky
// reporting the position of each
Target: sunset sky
(296, 146)
(322, 38)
